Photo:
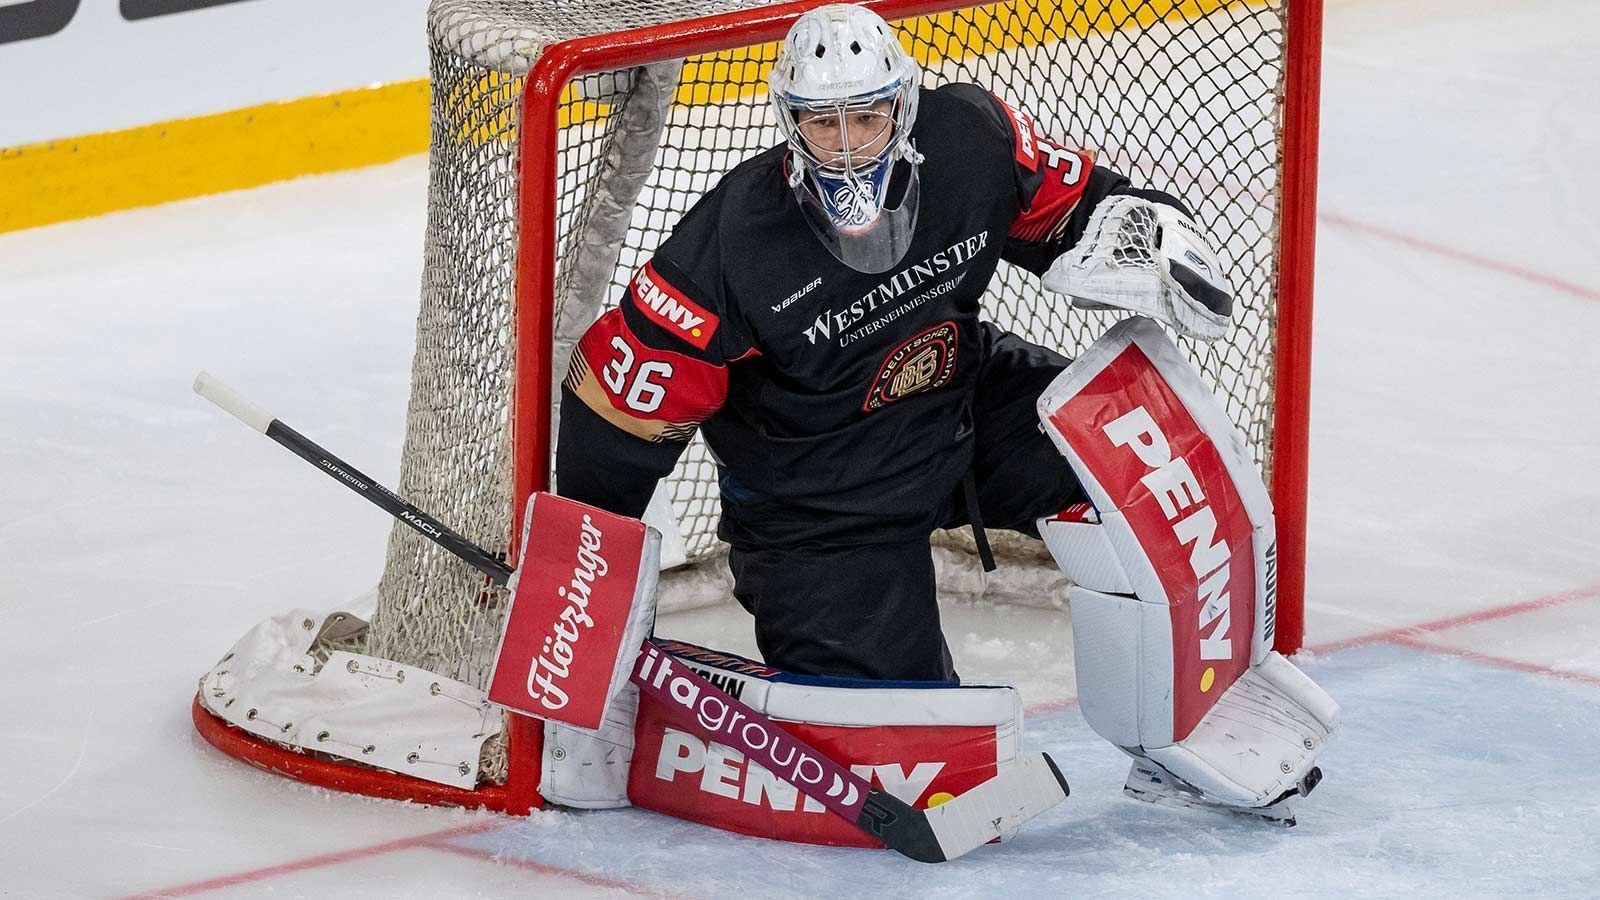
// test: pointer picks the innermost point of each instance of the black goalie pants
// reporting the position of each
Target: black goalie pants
(871, 610)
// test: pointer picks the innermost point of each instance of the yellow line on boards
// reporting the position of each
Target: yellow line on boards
(73, 178)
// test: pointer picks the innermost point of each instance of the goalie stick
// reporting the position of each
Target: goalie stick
(944, 832)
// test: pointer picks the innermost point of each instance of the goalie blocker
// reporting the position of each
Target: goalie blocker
(1173, 573)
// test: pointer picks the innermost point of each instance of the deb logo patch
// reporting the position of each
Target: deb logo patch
(569, 612)
(925, 362)
(668, 307)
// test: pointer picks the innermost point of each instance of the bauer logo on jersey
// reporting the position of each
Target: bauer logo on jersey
(668, 307)
(925, 362)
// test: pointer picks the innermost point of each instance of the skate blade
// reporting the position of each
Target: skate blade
(1158, 787)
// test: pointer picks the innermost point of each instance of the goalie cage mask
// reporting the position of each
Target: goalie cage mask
(837, 64)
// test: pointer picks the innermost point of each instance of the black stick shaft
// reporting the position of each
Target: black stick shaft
(390, 502)
(434, 530)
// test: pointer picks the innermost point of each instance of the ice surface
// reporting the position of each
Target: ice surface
(1427, 797)
(1455, 472)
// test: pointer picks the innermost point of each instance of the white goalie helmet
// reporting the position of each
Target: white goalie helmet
(845, 96)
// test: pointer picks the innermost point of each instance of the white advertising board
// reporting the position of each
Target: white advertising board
(73, 67)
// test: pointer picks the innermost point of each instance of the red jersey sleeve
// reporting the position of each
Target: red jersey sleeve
(650, 393)
(1056, 185)
(1052, 179)
(642, 379)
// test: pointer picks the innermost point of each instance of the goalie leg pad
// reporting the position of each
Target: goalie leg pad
(1174, 570)
(1259, 742)
(921, 742)
(589, 769)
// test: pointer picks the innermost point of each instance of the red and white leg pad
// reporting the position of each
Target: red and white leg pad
(1174, 571)
(923, 743)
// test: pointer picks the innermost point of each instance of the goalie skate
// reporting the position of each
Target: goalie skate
(1151, 783)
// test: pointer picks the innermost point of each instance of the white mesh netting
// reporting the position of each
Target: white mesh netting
(1182, 96)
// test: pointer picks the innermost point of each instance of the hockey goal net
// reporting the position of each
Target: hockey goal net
(567, 139)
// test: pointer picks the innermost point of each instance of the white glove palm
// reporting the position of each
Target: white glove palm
(1148, 258)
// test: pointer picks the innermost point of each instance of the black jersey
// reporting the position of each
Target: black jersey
(837, 403)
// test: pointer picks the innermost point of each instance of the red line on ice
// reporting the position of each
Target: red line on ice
(318, 861)
(435, 840)
(545, 869)
(1204, 181)
(1482, 262)
(1050, 706)
(1409, 635)
(1497, 661)
(1405, 632)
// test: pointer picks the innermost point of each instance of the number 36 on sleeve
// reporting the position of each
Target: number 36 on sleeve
(657, 395)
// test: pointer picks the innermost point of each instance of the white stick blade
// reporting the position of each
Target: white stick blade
(212, 388)
(998, 806)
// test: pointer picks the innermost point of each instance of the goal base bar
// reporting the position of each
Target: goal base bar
(268, 757)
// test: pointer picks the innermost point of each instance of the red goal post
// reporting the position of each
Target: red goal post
(525, 134)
